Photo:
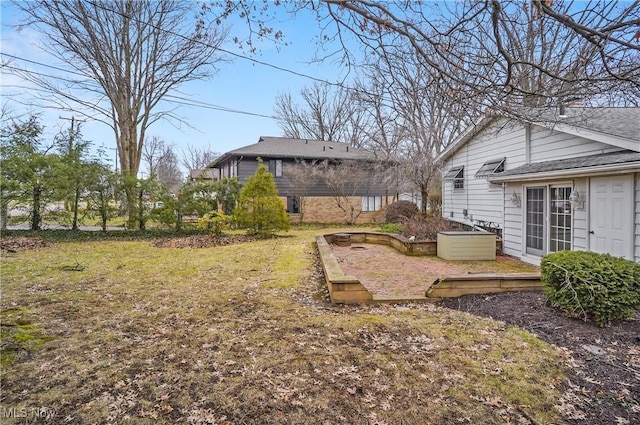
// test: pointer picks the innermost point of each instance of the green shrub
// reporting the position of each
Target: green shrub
(216, 222)
(259, 209)
(591, 286)
(399, 211)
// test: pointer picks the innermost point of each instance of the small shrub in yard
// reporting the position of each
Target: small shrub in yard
(399, 211)
(590, 285)
(425, 228)
(216, 222)
(259, 209)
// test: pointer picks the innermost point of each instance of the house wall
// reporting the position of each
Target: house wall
(637, 219)
(547, 145)
(323, 209)
(482, 201)
(247, 167)
(521, 145)
(514, 223)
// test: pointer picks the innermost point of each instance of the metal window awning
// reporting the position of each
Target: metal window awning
(490, 168)
(454, 173)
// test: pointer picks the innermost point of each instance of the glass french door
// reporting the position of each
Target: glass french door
(560, 219)
(535, 217)
(547, 231)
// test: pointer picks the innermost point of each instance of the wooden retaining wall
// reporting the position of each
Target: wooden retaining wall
(485, 283)
(347, 289)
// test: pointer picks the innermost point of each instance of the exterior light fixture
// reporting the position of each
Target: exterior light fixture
(562, 113)
(576, 200)
(515, 199)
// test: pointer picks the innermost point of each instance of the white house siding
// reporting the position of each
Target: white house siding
(481, 201)
(548, 145)
(580, 241)
(512, 233)
(637, 219)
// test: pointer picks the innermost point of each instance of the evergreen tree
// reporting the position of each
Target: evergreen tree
(29, 171)
(259, 209)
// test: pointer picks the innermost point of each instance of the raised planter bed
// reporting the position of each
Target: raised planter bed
(461, 245)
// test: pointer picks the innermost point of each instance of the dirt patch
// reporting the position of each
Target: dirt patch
(14, 244)
(202, 241)
(606, 385)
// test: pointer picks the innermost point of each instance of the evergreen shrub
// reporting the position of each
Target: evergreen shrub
(591, 286)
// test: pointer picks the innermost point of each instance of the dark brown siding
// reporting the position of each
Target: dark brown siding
(248, 166)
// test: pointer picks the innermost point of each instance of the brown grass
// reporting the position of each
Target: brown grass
(243, 334)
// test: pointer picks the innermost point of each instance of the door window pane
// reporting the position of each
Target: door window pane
(535, 221)
(560, 219)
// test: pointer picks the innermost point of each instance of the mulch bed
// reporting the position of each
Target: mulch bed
(605, 386)
(202, 241)
(15, 244)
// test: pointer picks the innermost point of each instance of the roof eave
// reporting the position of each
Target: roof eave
(629, 167)
(467, 135)
(610, 139)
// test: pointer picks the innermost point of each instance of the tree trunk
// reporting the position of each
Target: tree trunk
(76, 200)
(424, 194)
(4, 214)
(36, 218)
(141, 223)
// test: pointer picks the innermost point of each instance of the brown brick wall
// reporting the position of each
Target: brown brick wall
(323, 209)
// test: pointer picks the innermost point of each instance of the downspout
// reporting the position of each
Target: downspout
(527, 143)
(504, 211)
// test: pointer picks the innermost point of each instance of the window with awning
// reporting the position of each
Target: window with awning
(489, 168)
(457, 175)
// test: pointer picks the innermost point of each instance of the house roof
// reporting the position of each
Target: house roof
(617, 161)
(201, 174)
(283, 147)
(614, 126)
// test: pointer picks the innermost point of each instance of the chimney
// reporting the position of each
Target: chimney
(347, 148)
(561, 111)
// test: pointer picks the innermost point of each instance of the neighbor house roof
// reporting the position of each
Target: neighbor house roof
(283, 147)
(202, 174)
(585, 165)
(615, 126)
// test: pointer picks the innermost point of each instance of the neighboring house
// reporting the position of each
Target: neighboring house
(207, 174)
(571, 182)
(317, 200)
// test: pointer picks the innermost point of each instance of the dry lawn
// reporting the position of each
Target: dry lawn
(124, 332)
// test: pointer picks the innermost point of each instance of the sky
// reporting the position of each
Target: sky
(241, 85)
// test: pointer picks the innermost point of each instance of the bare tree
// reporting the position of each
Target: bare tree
(345, 179)
(414, 116)
(127, 56)
(168, 170)
(162, 163)
(301, 177)
(326, 114)
(194, 158)
(152, 151)
(505, 54)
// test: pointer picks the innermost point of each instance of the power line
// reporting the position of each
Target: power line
(177, 99)
(181, 100)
